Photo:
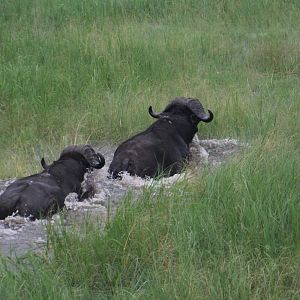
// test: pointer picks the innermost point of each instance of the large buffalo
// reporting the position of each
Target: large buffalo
(41, 195)
(163, 148)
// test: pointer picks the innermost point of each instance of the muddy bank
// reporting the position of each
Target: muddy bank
(19, 235)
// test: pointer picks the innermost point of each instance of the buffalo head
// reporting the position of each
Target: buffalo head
(92, 159)
(184, 106)
(86, 152)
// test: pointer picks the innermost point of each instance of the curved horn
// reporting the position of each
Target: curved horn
(44, 164)
(102, 160)
(153, 114)
(95, 160)
(207, 117)
(196, 107)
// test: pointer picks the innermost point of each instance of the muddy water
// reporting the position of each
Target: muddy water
(19, 235)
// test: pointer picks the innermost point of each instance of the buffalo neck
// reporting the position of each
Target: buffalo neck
(178, 126)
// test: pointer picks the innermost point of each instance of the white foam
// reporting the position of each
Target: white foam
(40, 240)
(72, 203)
(12, 225)
(8, 231)
(220, 142)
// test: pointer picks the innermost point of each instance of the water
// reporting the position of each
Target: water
(19, 235)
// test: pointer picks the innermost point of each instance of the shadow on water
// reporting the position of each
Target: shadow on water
(18, 235)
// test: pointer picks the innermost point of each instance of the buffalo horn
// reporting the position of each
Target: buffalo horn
(44, 164)
(153, 114)
(207, 117)
(196, 107)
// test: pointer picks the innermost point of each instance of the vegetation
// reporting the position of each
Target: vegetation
(76, 71)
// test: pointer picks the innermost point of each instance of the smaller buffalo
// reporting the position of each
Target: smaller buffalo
(163, 148)
(40, 195)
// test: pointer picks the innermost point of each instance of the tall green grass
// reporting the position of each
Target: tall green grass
(73, 71)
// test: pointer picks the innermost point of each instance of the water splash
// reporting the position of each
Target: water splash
(18, 234)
